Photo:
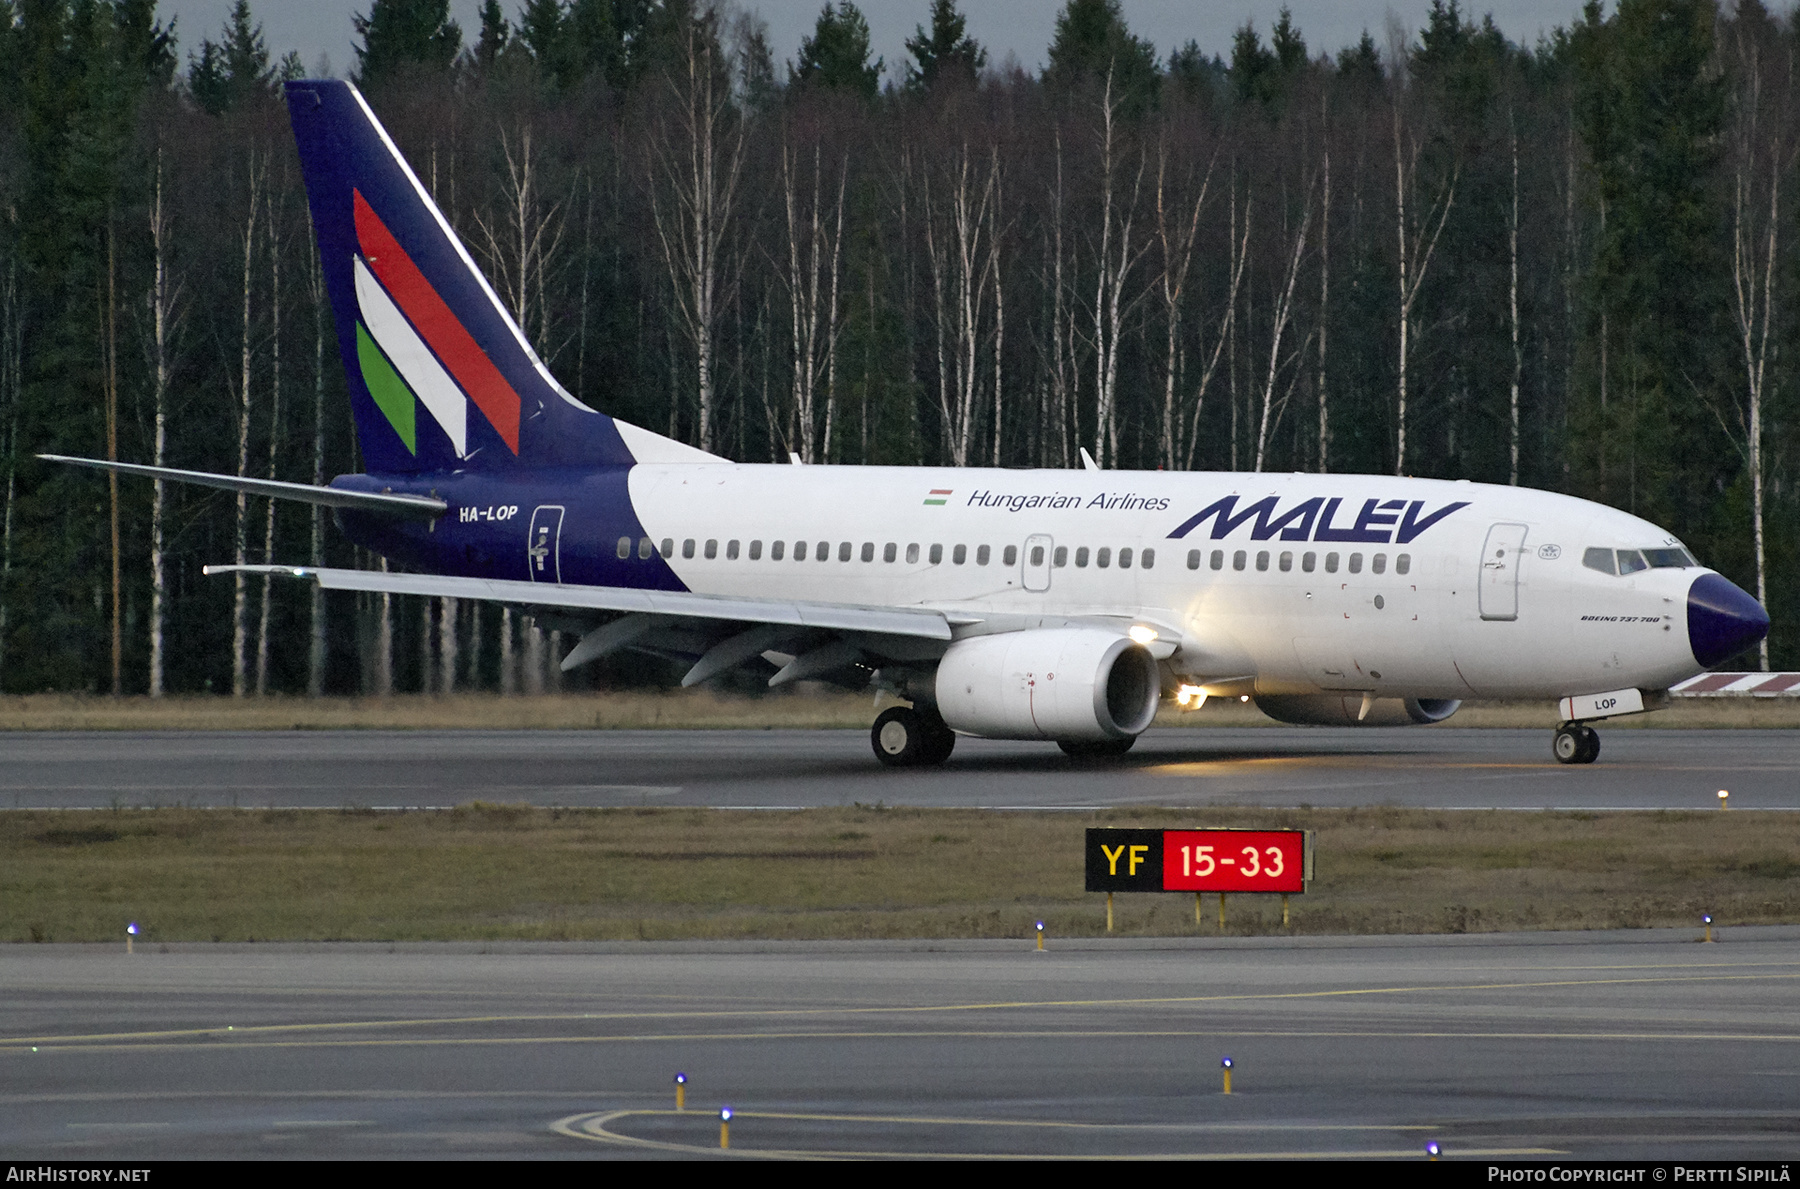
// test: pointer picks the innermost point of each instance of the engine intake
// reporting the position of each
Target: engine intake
(1341, 710)
(1049, 683)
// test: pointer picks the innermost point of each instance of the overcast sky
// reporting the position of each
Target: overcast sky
(1021, 28)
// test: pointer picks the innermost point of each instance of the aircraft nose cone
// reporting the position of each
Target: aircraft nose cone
(1722, 619)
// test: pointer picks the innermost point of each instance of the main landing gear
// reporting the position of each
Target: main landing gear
(1575, 743)
(911, 737)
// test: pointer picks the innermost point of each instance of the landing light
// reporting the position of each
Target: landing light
(1190, 696)
(1141, 634)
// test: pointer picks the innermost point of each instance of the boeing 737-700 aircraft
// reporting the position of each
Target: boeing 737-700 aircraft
(1005, 604)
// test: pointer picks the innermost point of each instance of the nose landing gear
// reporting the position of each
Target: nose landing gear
(1575, 743)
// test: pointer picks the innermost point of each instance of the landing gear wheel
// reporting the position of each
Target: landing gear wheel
(1575, 743)
(1085, 749)
(1590, 745)
(903, 737)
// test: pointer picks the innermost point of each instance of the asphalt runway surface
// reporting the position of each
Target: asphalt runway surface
(1527, 1046)
(1445, 767)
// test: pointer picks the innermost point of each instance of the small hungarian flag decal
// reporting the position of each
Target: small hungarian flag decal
(937, 496)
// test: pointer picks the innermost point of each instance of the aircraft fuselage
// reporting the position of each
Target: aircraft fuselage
(1309, 583)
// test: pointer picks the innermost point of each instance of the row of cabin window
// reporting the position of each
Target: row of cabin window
(959, 554)
(1308, 561)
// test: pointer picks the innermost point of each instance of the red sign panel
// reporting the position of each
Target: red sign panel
(1234, 861)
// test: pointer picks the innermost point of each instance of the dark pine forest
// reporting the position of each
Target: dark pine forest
(1570, 265)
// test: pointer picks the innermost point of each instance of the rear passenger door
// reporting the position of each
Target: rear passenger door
(543, 544)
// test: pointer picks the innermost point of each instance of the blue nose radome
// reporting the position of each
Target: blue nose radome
(1722, 619)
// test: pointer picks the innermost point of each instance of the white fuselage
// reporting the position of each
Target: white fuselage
(1492, 599)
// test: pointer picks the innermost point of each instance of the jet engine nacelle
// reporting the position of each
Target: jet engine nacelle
(1052, 683)
(1341, 710)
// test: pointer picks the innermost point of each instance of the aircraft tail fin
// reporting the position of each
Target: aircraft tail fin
(440, 375)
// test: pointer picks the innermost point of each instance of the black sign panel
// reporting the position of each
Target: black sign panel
(1124, 860)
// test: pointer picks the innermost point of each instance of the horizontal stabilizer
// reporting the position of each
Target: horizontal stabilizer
(421, 506)
(889, 621)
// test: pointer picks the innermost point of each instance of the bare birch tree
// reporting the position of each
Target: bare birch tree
(1280, 314)
(520, 240)
(698, 151)
(1062, 372)
(1416, 244)
(315, 287)
(1762, 151)
(962, 254)
(1238, 242)
(164, 302)
(256, 173)
(1115, 257)
(274, 210)
(1176, 237)
(814, 270)
(1324, 278)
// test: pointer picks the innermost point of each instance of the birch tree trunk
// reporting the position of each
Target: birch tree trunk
(240, 593)
(1062, 366)
(315, 666)
(384, 644)
(163, 297)
(447, 623)
(262, 624)
(112, 450)
(1324, 295)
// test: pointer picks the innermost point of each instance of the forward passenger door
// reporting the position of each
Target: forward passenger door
(1500, 558)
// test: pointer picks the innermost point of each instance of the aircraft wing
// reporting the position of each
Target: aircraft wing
(918, 623)
(422, 507)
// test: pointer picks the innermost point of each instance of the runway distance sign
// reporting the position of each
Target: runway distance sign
(1198, 860)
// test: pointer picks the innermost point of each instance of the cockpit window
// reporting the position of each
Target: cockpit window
(1630, 561)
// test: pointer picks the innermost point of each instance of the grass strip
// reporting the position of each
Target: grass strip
(484, 872)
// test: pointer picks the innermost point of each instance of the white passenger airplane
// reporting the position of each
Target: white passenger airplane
(1054, 605)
